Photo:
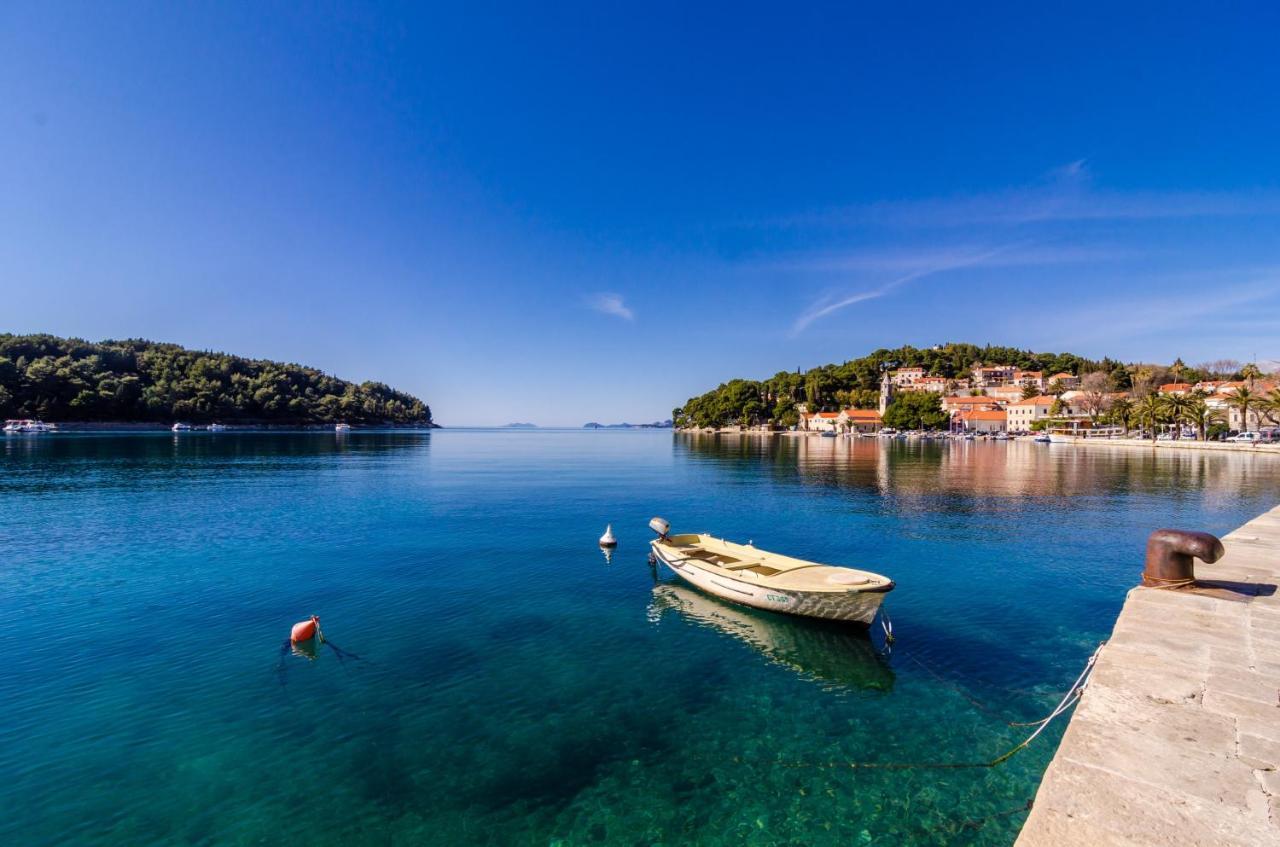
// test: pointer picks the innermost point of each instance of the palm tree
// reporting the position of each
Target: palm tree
(1175, 407)
(1122, 412)
(1202, 415)
(1244, 400)
(1249, 373)
(1270, 406)
(1150, 410)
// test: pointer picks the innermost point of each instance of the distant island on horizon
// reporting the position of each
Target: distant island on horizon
(139, 381)
(667, 424)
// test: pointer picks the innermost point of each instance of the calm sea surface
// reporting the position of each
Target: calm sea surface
(501, 682)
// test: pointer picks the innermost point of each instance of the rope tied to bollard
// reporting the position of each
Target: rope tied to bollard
(1162, 582)
(1068, 700)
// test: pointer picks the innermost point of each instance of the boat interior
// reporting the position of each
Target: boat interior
(727, 562)
(743, 559)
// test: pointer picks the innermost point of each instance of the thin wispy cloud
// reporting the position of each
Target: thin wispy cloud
(607, 303)
(831, 304)
(1181, 306)
(1064, 194)
(904, 260)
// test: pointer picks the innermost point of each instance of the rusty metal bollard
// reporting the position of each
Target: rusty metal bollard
(1171, 555)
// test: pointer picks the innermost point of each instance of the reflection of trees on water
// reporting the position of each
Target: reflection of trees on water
(1015, 469)
(76, 461)
(824, 651)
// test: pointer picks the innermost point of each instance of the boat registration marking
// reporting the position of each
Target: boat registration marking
(777, 598)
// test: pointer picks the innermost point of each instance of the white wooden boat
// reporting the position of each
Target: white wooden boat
(217, 427)
(181, 427)
(745, 574)
(342, 427)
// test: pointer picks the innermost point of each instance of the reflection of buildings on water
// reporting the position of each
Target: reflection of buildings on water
(927, 468)
(826, 652)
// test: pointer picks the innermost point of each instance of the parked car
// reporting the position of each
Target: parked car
(1246, 438)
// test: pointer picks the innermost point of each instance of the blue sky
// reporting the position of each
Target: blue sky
(591, 213)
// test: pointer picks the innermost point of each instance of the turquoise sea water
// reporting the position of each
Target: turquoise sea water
(512, 686)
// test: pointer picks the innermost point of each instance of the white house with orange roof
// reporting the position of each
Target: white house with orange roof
(1025, 412)
(861, 420)
(1067, 380)
(936, 384)
(1005, 393)
(984, 420)
(903, 377)
(1176, 389)
(968, 404)
(820, 421)
(1025, 378)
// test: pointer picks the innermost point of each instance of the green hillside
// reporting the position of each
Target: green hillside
(856, 382)
(67, 379)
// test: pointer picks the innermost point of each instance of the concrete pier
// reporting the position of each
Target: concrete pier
(1176, 741)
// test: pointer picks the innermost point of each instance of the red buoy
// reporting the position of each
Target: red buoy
(305, 630)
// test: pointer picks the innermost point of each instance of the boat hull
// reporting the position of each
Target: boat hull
(852, 606)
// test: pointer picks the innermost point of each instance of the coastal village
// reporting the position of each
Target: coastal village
(1004, 400)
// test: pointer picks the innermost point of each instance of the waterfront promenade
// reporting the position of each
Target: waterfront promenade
(1177, 738)
(1180, 444)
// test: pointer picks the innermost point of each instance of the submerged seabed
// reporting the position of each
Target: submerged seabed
(514, 688)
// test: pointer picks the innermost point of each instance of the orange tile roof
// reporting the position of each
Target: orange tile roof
(984, 415)
(828, 414)
(1061, 375)
(1170, 387)
(862, 414)
(1041, 400)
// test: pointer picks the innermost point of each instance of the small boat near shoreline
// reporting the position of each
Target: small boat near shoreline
(27, 426)
(741, 573)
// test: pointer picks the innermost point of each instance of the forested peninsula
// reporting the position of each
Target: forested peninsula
(68, 379)
(856, 383)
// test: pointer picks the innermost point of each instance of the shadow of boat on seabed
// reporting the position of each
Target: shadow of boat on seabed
(825, 652)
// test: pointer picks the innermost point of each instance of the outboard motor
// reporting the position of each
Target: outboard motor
(660, 526)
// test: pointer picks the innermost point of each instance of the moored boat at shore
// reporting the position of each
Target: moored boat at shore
(745, 574)
(27, 426)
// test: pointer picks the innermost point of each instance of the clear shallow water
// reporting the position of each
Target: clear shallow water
(513, 687)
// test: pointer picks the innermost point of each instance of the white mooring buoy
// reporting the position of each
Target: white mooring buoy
(607, 540)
